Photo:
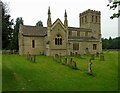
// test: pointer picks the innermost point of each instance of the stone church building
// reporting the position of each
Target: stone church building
(59, 38)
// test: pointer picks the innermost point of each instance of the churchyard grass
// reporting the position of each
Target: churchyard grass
(20, 74)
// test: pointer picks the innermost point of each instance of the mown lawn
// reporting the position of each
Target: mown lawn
(46, 74)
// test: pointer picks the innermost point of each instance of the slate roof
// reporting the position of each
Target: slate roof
(42, 31)
(33, 30)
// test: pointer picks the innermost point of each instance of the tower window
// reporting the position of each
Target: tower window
(92, 18)
(75, 46)
(94, 46)
(86, 19)
(58, 40)
(33, 43)
(96, 18)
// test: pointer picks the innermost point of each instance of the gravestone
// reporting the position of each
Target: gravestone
(97, 54)
(74, 64)
(56, 57)
(71, 61)
(102, 57)
(92, 57)
(34, 58)
(90, 67)
(65, 60)
(59, 57)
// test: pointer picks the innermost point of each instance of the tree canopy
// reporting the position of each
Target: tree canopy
(111, 43)
(39, 23)
(113, 4)
(7, 29)
(14, 40)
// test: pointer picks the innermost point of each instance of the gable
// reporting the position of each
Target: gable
(58, 22)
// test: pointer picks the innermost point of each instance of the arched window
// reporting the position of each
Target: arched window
(58, 40)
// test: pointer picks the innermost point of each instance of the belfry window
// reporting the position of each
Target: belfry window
(92, 18)
(96, 18)
(58, 40)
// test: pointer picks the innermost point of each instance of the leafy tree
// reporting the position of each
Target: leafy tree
(105, 43)
(113, 4)
(14, 41)
(39, 23)
(111, 43)
(6, 27)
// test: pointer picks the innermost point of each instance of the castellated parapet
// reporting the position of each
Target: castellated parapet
(90, 11)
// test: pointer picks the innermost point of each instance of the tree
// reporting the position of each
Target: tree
(114, 5)
(111, 43)
(6, 27)
(39, 23)
(14, 41)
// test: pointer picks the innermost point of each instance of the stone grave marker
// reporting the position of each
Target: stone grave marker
(90, 67)
(92, 57)
(97, 54)
(65, 60)
(34, 58)
(102, 57)
(74, 64)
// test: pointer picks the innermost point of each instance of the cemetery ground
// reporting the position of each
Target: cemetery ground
(20, 74)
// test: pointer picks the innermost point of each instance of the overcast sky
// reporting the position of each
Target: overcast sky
(34, 10)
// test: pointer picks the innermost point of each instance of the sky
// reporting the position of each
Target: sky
(34, 10)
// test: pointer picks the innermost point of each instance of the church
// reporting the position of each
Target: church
(59, 38)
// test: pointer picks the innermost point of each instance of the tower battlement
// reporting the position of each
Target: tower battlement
(90, 11)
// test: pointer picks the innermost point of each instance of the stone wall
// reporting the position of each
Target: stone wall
(83, 46)
(27, 46)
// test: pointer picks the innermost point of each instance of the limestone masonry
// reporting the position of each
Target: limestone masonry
(59, 38)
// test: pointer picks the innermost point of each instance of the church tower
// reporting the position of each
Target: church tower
(91, 19)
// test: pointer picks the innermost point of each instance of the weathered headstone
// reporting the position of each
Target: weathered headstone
(71, 60)
(56, 57)
(60, 57)
(92, 57)
(74, 64)
(90, 67)
(97, 54)
(65, 60)
(102, 57)
(34, 58)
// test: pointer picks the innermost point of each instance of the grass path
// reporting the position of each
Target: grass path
(46, 74)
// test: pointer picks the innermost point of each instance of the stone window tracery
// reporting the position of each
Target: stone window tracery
(58, 40)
